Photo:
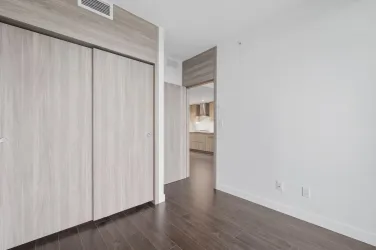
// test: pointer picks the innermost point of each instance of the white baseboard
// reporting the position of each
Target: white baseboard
(338, 227)
(181, 178)
(162, 198)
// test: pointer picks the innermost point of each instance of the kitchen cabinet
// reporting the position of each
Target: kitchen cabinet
(199, 146)
(211, 111)
(195, 110)
(198, 137)
(193, 113)
(210, 143)
(202, 141)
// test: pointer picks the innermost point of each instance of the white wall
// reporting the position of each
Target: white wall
(173, 71)
(307, 88)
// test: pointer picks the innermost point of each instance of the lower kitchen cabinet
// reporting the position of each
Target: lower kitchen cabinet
(210, 143)
(202, 141)
(198, 146)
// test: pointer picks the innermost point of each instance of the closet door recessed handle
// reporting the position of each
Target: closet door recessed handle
(2, 140)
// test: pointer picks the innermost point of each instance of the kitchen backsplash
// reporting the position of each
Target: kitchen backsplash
(203, 123)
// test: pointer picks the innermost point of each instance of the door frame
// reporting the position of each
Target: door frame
(215, 129)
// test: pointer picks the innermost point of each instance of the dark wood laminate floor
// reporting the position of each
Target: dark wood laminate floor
(195, 217)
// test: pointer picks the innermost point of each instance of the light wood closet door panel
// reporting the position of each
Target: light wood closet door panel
(46, 116)
(175, 133)
(123, 133)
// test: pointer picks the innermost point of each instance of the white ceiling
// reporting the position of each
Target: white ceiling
(201, 94)
(193, 26)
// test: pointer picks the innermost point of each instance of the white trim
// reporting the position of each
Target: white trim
(159, 152)
(336, 226)
(188, 134)
(162, 199)
(97, 12)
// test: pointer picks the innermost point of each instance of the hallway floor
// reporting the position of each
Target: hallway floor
(195, 217)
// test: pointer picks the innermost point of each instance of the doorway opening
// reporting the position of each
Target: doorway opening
(201, 134)
(190, 134)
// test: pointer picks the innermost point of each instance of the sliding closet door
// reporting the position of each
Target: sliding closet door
(175, 133)
(123, 133)
(46, 126)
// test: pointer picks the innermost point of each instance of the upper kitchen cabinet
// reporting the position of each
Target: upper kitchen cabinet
(211, 111)
(193, 112)
(210, 143)
(205, 109)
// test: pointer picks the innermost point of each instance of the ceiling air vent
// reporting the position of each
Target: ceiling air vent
(100, 7)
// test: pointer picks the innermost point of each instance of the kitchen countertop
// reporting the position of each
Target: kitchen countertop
(202, 132)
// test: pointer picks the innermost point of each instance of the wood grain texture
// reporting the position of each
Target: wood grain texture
(199, 137)
(193, 231)
(196, 217)
(46, 115)
(210, 143)
(211, 111)
(111, 235)
(27, 246)
(91, 237)
(176, 248)
(175, 131)
(139, 242)
(201, 146)
(202, 141)
(126, 34)
(50, 242)
(192, 115)
(158, 217)
(159, 240)
(70, 240)
(200, 69)
(123, 118)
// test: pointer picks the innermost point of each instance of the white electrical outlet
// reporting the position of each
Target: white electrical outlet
(306, 192)
(279, 186)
